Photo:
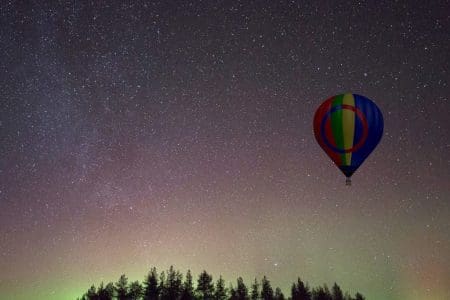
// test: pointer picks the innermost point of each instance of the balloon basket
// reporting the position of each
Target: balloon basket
(348, 182)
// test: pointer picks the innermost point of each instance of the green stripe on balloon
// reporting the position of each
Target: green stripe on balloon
(336, 125)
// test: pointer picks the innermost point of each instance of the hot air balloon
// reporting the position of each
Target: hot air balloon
(348, 127)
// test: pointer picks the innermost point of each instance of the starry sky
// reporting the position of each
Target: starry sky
(180, 133)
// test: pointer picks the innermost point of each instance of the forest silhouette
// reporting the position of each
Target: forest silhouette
(169, 285)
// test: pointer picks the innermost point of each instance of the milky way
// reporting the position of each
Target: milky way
(180, 133)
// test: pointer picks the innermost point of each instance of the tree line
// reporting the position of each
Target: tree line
(169, 285)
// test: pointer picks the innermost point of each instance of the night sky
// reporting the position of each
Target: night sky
(180, 133)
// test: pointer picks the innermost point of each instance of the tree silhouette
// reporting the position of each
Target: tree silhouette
(254, 294)
(105, 292)
(188, 288)
(220, 292)
(321, 293)
(122, 288)
(358, 296)
(266, 289)
(173, 285)
(169, 285)
(162, 283)
(278, 294)
(151, 285)
(300, 291)
(233, 293)
(92, 293)
(205, 287)
(337, 292)
(241, 290)
(136, 291)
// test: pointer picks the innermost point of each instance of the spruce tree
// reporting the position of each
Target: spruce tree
(106, 292)
(162, 284)
(122, 288)
(278, 294)
(188, 288)
(295, 295)
(241, 290)
(91, 294)
(233, 293)
(173, 285)
(300, 291)
(136, 291)
(254, 295)
(151, 285)
(358, 296)
(266, 289)
(336, 292)
(321, 293)
(205, 287)
(220, 292)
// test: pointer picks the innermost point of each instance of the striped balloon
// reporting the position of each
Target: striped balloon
(348, 127)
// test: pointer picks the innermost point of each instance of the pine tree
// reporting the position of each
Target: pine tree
(162, 284)
(136, 291)
(91, 294)
(278, 294)
(241, 290)
(266, 289)
(220, 292)
(151, 285)
(106, 292)
(254, 295)
(122, 288)
(358, 296)
(295, 294)
(188, 288)
(205, 287)
(173, 285)
(337, 292)
(321, 293)
(233, 293)
(300, 291)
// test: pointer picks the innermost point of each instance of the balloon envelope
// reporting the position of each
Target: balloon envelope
(348, 127)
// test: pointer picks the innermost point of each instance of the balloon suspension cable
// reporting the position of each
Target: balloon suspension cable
(348, 181)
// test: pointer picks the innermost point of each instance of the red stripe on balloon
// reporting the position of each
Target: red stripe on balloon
(320, 114)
